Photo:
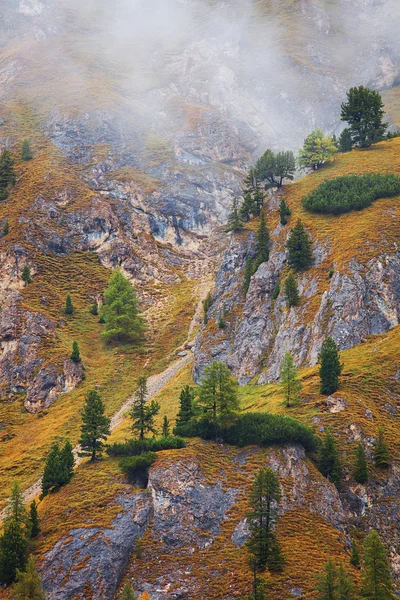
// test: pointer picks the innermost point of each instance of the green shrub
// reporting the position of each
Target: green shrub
(136, 447)
(261, 429)
(351, 192)
(277, 290)
(137, 466)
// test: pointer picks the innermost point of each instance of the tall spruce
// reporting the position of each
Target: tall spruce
(299, 246)
(377, 581)
(329, 462)
(120, 311)
(364, 112)
(14, 540)
(143, 413)
(284, 212)
(291, 385)
(166, 429)
(262, 243)
(381, 453)
(67, 462)
(58, 469)
(7, 173)
(34, 519)
(95, 426)
(360, 467)
(75, 354)
(69, 307)
(29, 584)
(234, 220)
(186, 412)
(218, 392)
(330, 367)
(264, 499)
(291, 291)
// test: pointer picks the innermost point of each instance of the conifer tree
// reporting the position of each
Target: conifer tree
(381, 454)
(248, 273)
(75, 354)
(291, 291)
(218, 393)
(53, 472)
(143, 413)
(94, 309)
(299, 246)
(95, 426)
(234, 221)
(345, 585)
(284, 212)
(128, 593)
(262, 243)
(364, 112)
(26, 152)
(377, 579)
(276, 168)
(26, 275)
(166, 430)
(6, 228)
(67, 463)
(360, 467)
(330, 367)
(327, 582)
(345, 141)
(290, 383)
(264, 500)
(329, 463)
(69, 307)
(354, 555)
(34, 519)
(29, 584)
(317, 150)
(120, 311)
(7, 173)
(206, 306)
(186, 412)
(15, 537)
(253, 196)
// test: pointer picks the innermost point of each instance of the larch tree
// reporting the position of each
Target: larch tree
(29, 584)
(186, 410)
(143, 413)
(15, 537)
(377, 581)
(95, 426)
(327, 582)
(317, 150)
(120, 311)
(34, 519)
(218, 393)
(290, 383)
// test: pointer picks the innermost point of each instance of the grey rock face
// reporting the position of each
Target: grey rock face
(91, 560)
(362, 301)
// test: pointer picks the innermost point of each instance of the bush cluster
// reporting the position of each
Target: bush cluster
(137, 466)
(351, 192)
(136, 447)
(261, 429)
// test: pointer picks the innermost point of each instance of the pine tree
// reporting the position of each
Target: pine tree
(128, 593)
(234, 221)
(377, 579)
(317, 150)
(67, 463)
(6, 228)
(143, 412)
(218, 391)
(299, 246)
(276, 168)
(75, 354)
(262, 243)
(290, 383)
(248, 273)
(166, 430)
(253, 196)
(29, 584)
(360, 468)
(186, 412)
(7, 173)
(264, 500)
(355, 555)
(330, 367)
(327, 582)
(69, 307)
(329, 463)
(120, 311)
(364, 112)
(26, 152)
(26, 275)
(284, 212)
(291, 291)
(34, 519)
(381, 454)
(15, 537)
(95, 426)
(345, 585)
(345, 141)
(53, 472)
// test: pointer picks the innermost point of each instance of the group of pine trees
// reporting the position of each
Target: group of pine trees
(376, 579)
